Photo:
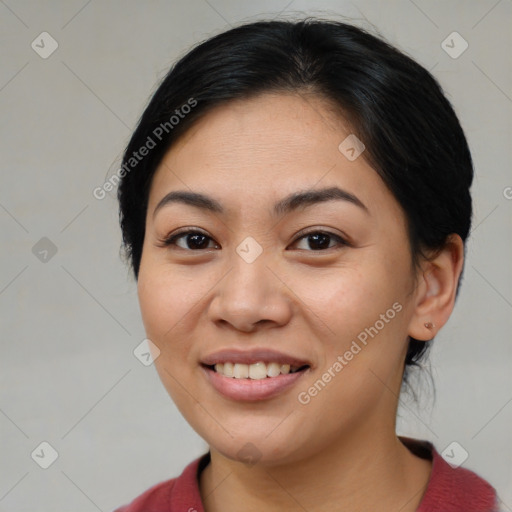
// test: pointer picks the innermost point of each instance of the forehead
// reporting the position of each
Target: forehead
(263, 148)
(269, 126)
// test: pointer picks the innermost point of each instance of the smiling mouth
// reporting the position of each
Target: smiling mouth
(256, 371)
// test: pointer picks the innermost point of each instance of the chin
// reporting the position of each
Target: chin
(252, 453)
(263, 446)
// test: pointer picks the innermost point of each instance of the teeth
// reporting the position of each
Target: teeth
(241, 371)
(285, 368)
(273, 369)
(227, 369)
(256, 371)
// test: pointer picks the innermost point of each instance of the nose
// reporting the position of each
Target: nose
(251, 296)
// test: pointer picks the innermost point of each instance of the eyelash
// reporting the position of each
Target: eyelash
(170, 240)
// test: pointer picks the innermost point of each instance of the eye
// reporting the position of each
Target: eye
(320, 240)
(192, 240)
(195, 240)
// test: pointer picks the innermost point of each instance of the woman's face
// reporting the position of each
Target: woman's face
(320, 279)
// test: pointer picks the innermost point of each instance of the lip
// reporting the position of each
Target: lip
(252, 390)
(253, 356)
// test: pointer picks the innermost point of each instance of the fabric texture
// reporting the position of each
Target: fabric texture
(449, 489)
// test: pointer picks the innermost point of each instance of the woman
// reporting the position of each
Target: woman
(295, 205)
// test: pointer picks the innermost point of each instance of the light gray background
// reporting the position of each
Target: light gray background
(69, 325)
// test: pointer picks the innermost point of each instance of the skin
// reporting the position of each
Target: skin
(339, 451)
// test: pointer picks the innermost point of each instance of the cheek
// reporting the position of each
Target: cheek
(360, 322)
(172, 302)
(165, 307)
(165, 298)
(345, 301)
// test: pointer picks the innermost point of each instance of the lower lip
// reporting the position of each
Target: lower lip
(252, 389)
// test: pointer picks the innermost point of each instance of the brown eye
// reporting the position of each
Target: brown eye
(320, 240)
(192, 240)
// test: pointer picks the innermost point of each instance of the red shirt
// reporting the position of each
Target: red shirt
(449, 489)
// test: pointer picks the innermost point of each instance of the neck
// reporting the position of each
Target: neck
(370, 470)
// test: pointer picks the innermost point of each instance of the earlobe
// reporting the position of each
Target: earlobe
(436, 290)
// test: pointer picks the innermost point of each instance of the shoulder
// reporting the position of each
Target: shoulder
(452, 488)
(180, 493)
(154, 499)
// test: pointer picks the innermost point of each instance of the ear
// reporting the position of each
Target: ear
(437, 289)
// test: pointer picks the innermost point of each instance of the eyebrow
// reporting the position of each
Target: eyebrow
(290, 203)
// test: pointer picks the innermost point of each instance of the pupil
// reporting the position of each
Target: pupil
(319, 240)
(195, 243)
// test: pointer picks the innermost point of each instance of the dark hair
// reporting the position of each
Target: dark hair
(396, 107)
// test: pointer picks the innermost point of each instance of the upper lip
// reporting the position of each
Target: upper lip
(252, 356)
